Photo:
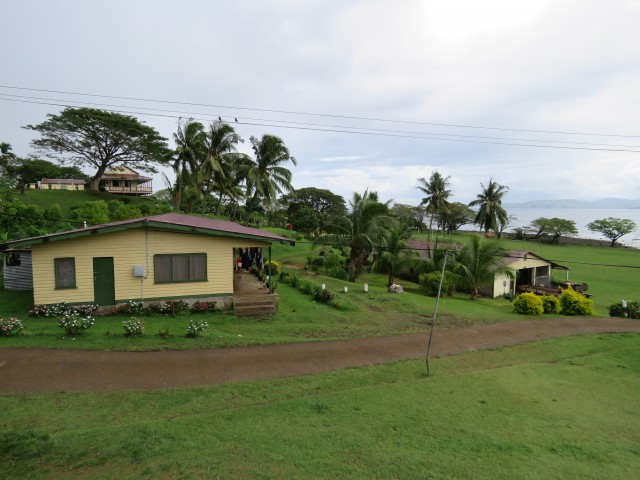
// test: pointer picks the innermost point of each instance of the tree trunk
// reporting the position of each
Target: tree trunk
(94, 184)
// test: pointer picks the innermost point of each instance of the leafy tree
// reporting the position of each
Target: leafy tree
(266, 177)
(18, 220)
(554, 227)
(393, 254)
(94, 213)
(304, 219)
(437, 195)
(409, 215)
(478, 263)
(33, 170)
(361, 229)
(456, 216)
(324, 203)
(119, 210)
(613, 228)
(491, 214)
(100, 139)
(55, 220)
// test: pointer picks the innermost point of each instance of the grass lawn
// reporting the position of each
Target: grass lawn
(563, 408)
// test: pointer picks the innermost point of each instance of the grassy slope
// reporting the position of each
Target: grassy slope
(519, 412)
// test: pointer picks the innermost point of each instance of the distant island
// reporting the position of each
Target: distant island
(572, 203)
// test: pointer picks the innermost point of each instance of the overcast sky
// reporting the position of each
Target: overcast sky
(555, 66)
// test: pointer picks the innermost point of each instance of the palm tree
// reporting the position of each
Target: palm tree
(267, 178)
(479, 262)
(220, 144)
(393, 253)
(190, 149)
(363, 227)
(436, 200)
(6, 156)
(491, 214)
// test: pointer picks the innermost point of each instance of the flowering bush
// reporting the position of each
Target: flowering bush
(203, 307)
(130, 307)
(322, 295)
(11, 327)
(158, 309)
(275, 267)
(60, 309)
(178, 306)
(195, 328)
(134, 327)
(625, 310)
(74, 324)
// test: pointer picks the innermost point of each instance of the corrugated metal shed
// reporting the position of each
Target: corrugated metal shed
(17, 270)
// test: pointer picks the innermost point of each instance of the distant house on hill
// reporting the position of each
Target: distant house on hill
(122, 180)
(58, 184)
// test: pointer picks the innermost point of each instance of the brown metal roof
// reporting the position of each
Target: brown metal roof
(198, 225)
(67, 181)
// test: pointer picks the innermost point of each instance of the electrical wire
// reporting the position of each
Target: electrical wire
(356, 132)
(212, 117)
(291, 112)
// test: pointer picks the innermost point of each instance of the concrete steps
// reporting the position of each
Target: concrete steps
(255, 306)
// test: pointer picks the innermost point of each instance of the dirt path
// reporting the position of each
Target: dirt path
(26, 370)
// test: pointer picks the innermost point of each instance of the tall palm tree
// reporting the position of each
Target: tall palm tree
(189, 151)
(436, 200)
(267, 178)
(221, 141)
(491, 214)
(363, 227)
(479, 262)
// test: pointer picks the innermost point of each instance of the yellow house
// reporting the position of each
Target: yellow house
(58, 184)
(161, 257)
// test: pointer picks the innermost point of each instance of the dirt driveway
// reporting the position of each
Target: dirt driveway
(27, 370)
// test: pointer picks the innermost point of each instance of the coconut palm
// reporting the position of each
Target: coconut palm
(479, 262)
(267, 178)
(437, 195)
(190, 149)
(6, 156)
(491, 214)
(363, 227)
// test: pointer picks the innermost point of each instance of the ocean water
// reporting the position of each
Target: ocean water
(582, 216)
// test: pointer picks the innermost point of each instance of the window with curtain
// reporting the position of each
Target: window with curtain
(180, 267)
(65, 272)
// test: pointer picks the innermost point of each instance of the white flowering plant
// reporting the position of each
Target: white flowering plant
(11, 327)
(134, 327)
(195, 328)
(74, 324)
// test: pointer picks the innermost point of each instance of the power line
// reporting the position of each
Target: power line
(324, 125)
(292, 112)
(342, 130)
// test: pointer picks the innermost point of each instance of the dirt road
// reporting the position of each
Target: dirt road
(27, 370)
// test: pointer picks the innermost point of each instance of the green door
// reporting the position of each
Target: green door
(104, 290)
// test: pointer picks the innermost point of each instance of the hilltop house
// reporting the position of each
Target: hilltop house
(122, 180)
(161, 257)
(58, 184)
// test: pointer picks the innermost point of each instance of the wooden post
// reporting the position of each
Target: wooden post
(270, 276)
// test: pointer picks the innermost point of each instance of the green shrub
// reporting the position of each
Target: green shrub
(294, 280)
(306, 286)
(575, 303)
(275, 267)
(551, 304)
(430, 282)
(337, 272)
(528, 304)
(632, 310)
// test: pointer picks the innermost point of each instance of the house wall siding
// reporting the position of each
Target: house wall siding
(129, 248)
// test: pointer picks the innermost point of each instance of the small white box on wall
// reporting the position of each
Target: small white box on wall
(138, 270)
